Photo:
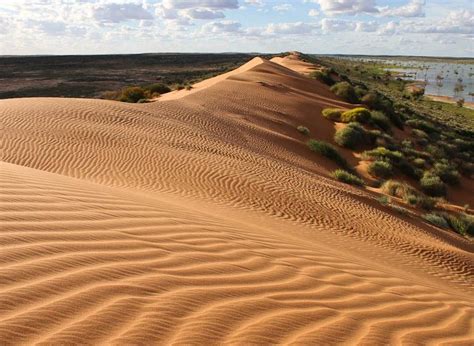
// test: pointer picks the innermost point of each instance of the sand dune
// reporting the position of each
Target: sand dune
(204, 218)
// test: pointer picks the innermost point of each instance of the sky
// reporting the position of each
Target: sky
(396, 27)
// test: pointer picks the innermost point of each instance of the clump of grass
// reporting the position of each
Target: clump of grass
(381, 120)
(323, 76)
(437, 220)
(461, 223)
(380, 169)
(408, 194)
(400, 210)
(447, 173)
(350, 136)
(346, 91)
(333, 114)
(358, 114)
(133, 94)
(421, 125)
(419, 162)
(346, 177)
(157, 88)
(384, 200)
(327, 150)
(383, 154)
(432, 185)
(303, 129)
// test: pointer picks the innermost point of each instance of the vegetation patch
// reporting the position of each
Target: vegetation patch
(380, 169)
(345, 91)
(432, 185)
(359, 114)
(350, 136)
(346, 177)
(333, 114)
(327, 150)
(437, 220)
(381, 120)
(303, 129)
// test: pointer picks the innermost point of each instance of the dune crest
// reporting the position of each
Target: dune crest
(206, 219)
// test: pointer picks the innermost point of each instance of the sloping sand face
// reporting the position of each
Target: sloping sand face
(204, 218)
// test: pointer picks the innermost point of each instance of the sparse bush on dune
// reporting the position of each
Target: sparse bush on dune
(421, 125)
(461, 223)
(327, 150)
(333, 114)
(380, 120)
(380, 169)
(409, 194)
(157, 88)
(346, 177)
(323, 76)
(447, 173)
(303, 129)
(419, 162)
(133, 94)
(382, 153)
(359, 114)
(350, 136)
(345, 91)
(437, 220)
(432, 185)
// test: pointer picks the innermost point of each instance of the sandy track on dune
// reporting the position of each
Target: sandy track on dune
(204, 218)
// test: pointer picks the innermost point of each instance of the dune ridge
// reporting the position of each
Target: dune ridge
(204, 218)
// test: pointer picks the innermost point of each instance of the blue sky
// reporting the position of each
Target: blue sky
(414, 27)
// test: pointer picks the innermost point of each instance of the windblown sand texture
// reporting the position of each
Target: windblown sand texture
(204, 219)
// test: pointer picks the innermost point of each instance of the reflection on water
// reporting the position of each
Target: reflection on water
(440, 78)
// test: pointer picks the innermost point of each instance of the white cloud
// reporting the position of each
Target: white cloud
(228, 26)
(349, 7)
(203, 13)
(116, 12)
(282, 7)
(297, 28)
(335, 25)
(415, 8)
(210, 4)
(313, 13)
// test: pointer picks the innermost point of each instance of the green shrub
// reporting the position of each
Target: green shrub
(462, 224)
(303, 129)
(380, 120)
(333, 114)
(437, 220)
(447, 173)
(380, 169)
(359, 114)
(419, 133)
(409, 194)
(158, 88)
(345, 91)
(432, 185)
(133, 94)
(383, 154)
(421, 125)
(419, 162)
(323, 76)
(349, 136)
(327, 150)
(384, 200)
(346, 177)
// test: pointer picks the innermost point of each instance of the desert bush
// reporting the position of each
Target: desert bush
(303, 129)
(380, 169)
(409, 194)
(133, 94)
(333, 114)
(421, 125)
(349, 136)
(380, 120)
(323, 76)
(383, 154)
(406, 168)
(346, 177)
(159, 88)
(384, 200)
(432, 185)
(419, 162)
(436, 219)
(346, 91)
(462, 223)
(327, 150)
(419, 133)
(359, 114)
(447, 173)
